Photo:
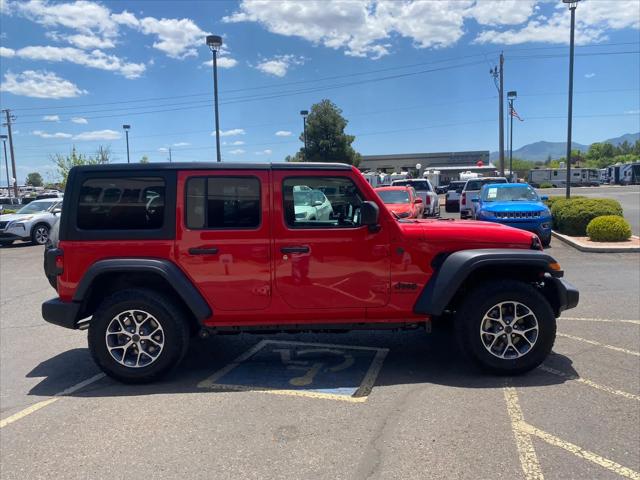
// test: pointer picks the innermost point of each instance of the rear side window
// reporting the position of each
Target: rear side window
(223, 202)
(127, 203)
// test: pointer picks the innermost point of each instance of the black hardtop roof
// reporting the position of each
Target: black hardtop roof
(128, 167)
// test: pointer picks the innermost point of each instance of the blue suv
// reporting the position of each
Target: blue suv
(516, 205)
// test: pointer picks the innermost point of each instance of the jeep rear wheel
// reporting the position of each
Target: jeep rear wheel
(137, 336)
(506, 327)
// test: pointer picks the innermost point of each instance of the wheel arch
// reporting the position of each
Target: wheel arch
(108, 276)
(456, 273)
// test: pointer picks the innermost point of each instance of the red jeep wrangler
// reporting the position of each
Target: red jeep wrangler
(149, 255)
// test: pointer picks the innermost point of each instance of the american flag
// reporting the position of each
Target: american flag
(515, 114)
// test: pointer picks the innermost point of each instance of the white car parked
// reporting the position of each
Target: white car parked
(311, 205)
(31, 223)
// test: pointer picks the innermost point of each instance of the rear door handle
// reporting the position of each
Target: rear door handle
(203, 251)
(296, 249)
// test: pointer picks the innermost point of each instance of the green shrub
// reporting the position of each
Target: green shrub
(572, 216)
(554, 198)
(7, 211)
(608, 228)
(546, 185)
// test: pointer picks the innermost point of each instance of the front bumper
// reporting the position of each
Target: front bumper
(536, 227)
(63, 314)
(566, 296)
(11, 236)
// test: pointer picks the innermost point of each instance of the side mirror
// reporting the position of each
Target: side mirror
(370, 215)
(417, 200)
(475, 200)
(544, 198)
(56, 211)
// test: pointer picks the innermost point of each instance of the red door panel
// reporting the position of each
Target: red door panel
(328, 268)
(230, 265)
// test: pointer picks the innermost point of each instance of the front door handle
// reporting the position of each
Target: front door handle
(295, 249)
(203, 251)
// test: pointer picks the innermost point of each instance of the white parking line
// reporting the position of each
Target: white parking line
(598, 344)
(589, 383)
(37, 406)
(601, 320)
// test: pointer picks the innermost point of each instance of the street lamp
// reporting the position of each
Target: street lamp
(304, 114)
(214, 42)
(418, 167)
(572, 7)
(511, 96)
(6, 162)
(126, 132)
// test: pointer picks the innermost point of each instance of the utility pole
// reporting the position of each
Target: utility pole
(169, 154)
(572, 7)
(6, 163)
(13, 158)
(498, 76)
(304, 114)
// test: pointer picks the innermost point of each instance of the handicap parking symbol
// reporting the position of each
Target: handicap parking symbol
(337, 372)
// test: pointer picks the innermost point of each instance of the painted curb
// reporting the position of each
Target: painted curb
(587, 248)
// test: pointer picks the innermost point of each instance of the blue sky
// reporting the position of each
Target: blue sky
(410, 76)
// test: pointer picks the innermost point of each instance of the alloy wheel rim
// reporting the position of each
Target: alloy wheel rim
(134, 338)
(509, 330)
(42, 235)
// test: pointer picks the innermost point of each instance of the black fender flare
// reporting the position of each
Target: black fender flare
(457, 266)
(169, 271)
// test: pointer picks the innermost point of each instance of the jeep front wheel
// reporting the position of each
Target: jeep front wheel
(137, 336)
(506, 327)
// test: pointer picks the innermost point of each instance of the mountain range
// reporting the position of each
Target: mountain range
(542, 150)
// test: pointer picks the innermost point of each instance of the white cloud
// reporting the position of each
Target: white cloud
(502, 12)
(589, 75)
(176, 38)
(51, 118)
(125, 18)
(98, 135)
(632, 112)
(223, 62)
(592, 24)
(39, 84)
(237, 143)
(7, 52)
(89, 41)
(237, 151)
(80, 120)
(264, 152)
(41, 134)
(279, 65)
(230, 133)
(283, 133)
(181, 144)
(163, 150)
(94, 59)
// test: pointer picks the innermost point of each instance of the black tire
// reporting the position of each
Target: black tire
(546, 240)
(174, 328)
(40, 234)
(479, 301)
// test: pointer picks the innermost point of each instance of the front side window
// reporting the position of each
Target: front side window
(223, 203)
(127, 203)
(321, 202)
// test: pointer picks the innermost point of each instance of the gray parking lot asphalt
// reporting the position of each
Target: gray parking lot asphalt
(358, 405)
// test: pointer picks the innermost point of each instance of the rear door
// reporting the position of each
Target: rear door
(223, 236)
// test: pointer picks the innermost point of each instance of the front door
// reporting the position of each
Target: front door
(222, 239)
(326, 261)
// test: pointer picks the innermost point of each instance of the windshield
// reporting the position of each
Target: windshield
(455, 185)
(302, 199)
(394, 196)
(510, 194)
(419, 185)
(35, 207)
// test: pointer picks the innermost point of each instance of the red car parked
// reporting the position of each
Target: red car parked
(402, 202)
(148, 255)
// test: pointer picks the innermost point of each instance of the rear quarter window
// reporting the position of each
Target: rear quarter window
(128, 203)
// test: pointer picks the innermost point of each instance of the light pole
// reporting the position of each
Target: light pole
(214, 42)
(572, 7)
(304, 114)
(418, 167)
(511, 96)
(126, 132)
(6, 162)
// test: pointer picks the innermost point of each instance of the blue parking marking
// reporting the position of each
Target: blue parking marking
(338, 372)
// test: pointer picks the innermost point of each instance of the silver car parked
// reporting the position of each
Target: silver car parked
(425, 190)
(31, 223)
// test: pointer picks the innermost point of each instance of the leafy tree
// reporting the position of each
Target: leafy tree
(144, 159)
(34, 179)
(326, 140)
(64, 163)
